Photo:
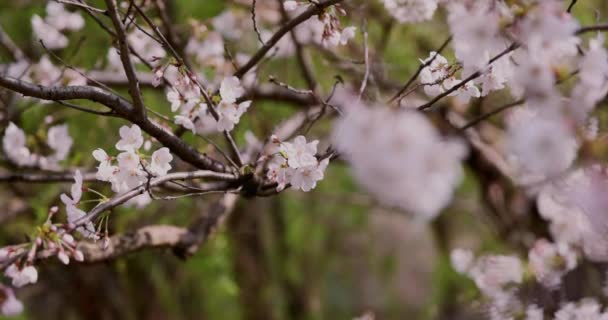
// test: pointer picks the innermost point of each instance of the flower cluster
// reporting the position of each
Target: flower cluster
(295, 164)
(15, 147)
(438, 77)
(574, 206)
(57, 20)
(195, 114)
(394, 153)
(132, 169)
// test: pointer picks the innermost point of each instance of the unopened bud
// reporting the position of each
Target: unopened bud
(63, 257)
(78, 256)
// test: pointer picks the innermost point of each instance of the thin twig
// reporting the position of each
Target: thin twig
(466, 80)
(83, 5)
(255, 23)
(571, 6)
(367, 63)
(488, 115)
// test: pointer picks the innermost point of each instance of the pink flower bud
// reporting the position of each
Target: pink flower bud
(63, 257)
(78, 256)
(67, 238)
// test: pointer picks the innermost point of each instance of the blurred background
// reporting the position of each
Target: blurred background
(333, 253)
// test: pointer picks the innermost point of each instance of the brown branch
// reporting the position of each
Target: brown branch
(303, 61)
(598, 27)
(126, 196)
(123, 109)
(571, 6)
(184, 241)
(50, 177)
(121, 36)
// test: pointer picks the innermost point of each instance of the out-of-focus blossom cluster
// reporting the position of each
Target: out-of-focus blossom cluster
(45, 73)
(57, 20)
(500, 277)
(15, 147)
(400, 157)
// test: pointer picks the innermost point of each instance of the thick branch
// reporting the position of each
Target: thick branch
(40, 177)
(124, 197)
(124, 109)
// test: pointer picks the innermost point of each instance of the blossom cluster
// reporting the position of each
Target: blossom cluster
(295, 164)
(57, 20)
(132, 168)
(438, 77)
(50, 240)
(14, 143)
(195, 115)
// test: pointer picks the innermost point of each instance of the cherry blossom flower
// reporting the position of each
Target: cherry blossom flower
(145, 45)
(434, 74)
(299, 153)
(208, 51)
(230, 114)
(185, 122)
(50, 36)
(593, 75)
(540, 144)
(550, 262)
(76, 191)
(74, 214)
(279, 172)
(175, 98)
(533, 312)
(587, 308)
(306, 177)
(161, 161)
(101, 156)
(294, 163)
(492, 272)
(61, 19)
(475, 31)
(231, 89)
(340, 38)
(130, 138)
(290, 5)
(21, 276)
(461, 260)
(59, 139)
(14, 145)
